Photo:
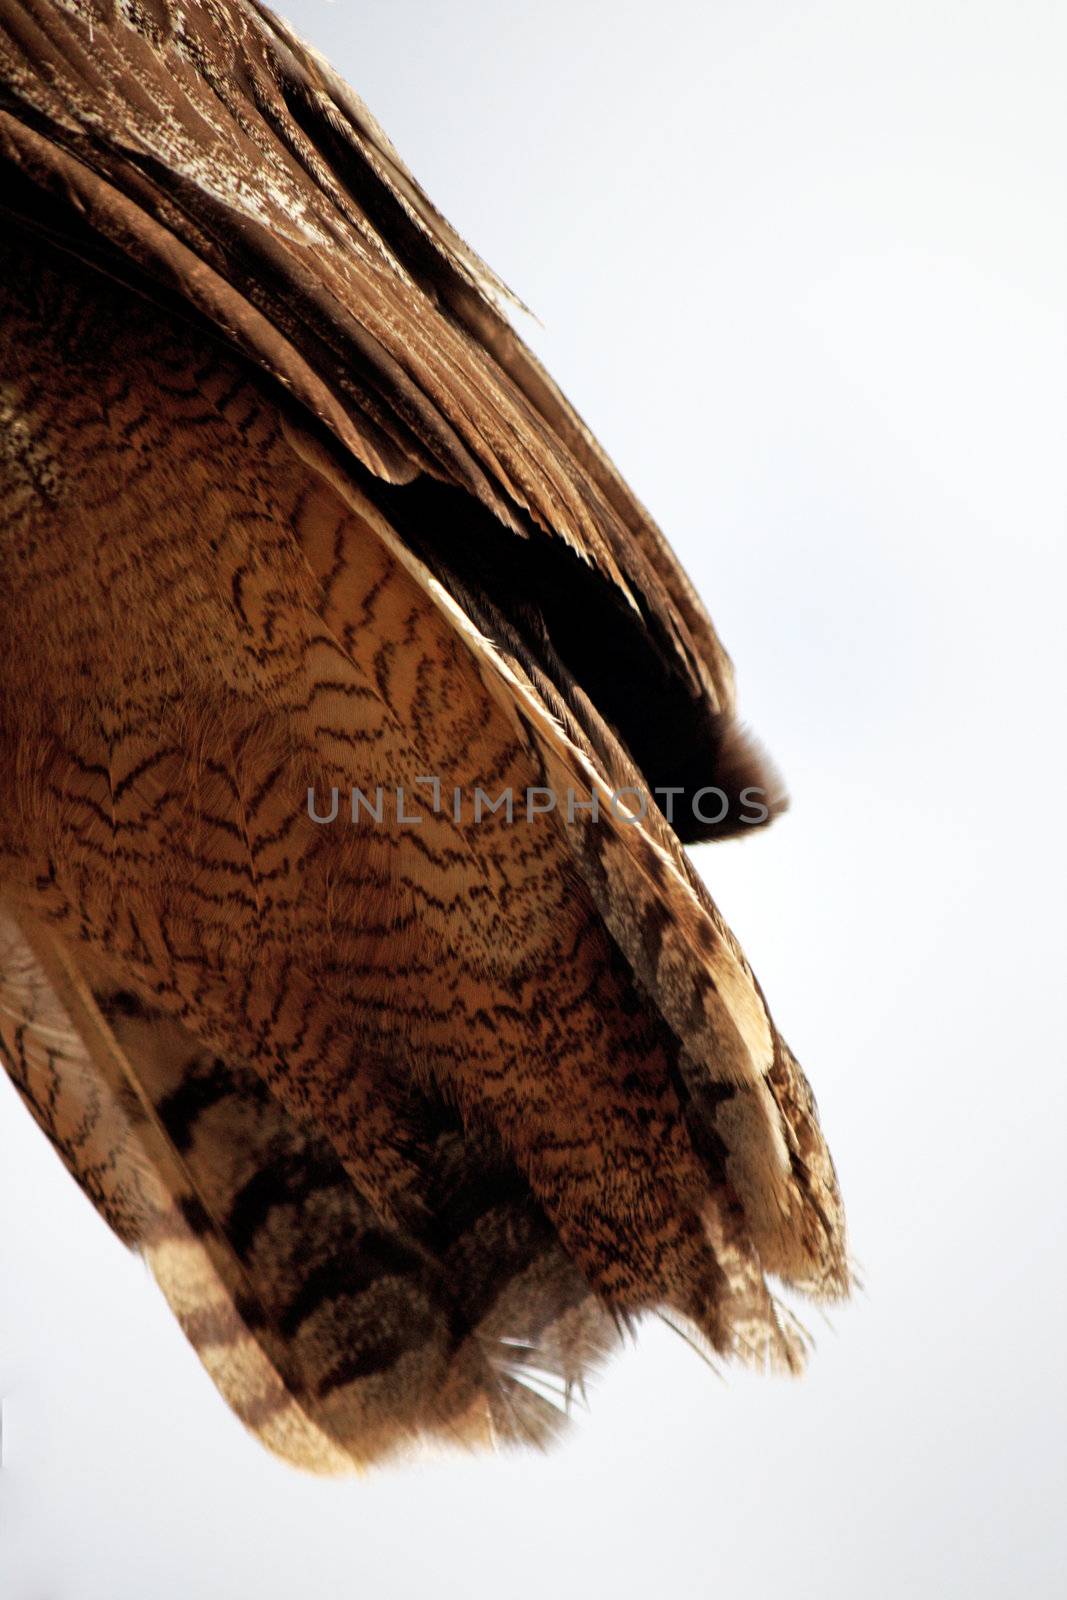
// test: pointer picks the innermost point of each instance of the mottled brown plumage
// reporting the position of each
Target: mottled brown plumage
(408, 1119)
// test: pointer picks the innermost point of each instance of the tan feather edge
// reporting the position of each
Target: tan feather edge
(199, 1276)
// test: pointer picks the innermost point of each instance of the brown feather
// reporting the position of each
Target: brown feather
(419, 1109)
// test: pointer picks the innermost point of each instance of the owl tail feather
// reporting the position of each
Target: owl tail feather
(334, 1338)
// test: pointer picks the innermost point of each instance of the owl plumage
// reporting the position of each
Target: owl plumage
(409, 1117)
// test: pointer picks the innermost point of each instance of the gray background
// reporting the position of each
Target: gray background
(801, 267)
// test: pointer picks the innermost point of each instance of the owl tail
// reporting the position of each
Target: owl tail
(335, 1338)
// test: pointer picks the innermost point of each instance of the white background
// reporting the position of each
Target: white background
(801, 266)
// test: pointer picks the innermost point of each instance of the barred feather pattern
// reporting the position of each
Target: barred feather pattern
(409, 1120)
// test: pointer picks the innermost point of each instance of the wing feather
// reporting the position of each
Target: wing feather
(244, 183)
(402, 1118)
